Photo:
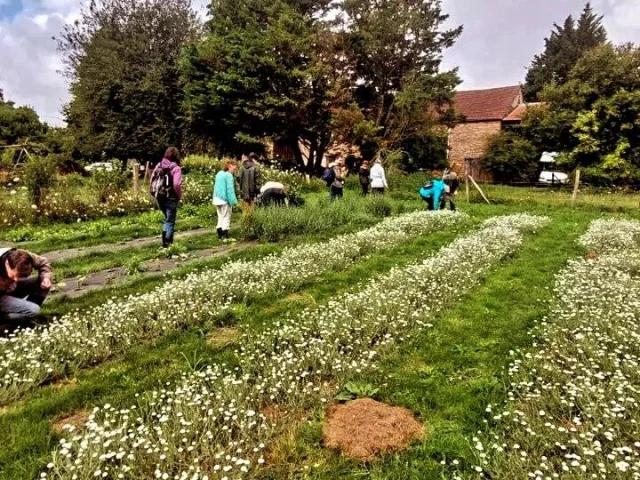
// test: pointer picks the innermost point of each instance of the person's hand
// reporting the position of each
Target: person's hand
(46, 283)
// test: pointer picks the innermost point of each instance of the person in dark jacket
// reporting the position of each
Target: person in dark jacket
(452, 183)
(249, 180)
(169, 199)
(22, 295)
(364, 176)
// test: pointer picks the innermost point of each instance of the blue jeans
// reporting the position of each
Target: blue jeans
(169, 209)
(24, 302)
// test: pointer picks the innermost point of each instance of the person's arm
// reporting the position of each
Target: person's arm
(258, 179)
(43, 266)
(384, 178)
(231, 190)
(177, 181)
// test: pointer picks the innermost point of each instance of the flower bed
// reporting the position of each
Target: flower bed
(574, 403)
(210, 425)
(78, 339)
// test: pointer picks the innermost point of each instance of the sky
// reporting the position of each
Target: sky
(499, 40)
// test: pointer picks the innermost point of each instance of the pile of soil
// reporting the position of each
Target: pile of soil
(364, 429)
(78, 420)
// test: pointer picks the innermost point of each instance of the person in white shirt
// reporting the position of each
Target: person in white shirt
(378, 178)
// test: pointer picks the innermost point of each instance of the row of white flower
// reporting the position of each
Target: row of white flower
(211, 427)
(82, 338)
(573, 410)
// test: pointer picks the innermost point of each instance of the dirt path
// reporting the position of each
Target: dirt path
(77, 287)
(60, 255)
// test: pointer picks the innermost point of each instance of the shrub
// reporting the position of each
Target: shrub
(39, 176)
(107, 183)
(511, 158)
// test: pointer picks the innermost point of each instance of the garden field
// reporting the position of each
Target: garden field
(509, 332)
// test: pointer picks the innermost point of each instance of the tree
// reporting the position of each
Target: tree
(18, 124)
(265, 69)
(511, 158)
(395, 50)
(122, 59)
(563, 48)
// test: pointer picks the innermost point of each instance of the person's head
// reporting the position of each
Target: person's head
(377, 161)
(230, 166)
(173, 154)
(340, 161)
(365, 164)
(11, 263)
(254, 157)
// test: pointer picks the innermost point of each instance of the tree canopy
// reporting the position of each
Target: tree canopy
(18, 124)
(122, 59)
(563, 48)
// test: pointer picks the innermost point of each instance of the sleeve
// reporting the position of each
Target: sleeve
(437, 195)
(384, 178)
(42, 265)
(231, 191)
(177, 181)
(258, 179)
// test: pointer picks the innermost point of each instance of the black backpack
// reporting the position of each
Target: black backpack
(162, 184)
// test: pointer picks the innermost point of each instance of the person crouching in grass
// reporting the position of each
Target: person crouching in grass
(224, 197)
(22, 295)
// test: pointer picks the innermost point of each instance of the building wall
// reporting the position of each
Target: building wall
(470, 140)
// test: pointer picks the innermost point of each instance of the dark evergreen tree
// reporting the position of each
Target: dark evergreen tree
(563, 48)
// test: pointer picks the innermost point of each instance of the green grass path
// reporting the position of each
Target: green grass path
(449, 375)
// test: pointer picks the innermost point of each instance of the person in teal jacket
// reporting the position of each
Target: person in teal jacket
(433, 193)
(224, 197)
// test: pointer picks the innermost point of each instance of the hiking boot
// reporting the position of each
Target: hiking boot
(165, 243)
(220, 234)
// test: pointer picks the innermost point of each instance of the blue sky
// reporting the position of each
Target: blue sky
(500, 39)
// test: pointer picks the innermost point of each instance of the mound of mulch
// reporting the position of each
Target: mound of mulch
(364, 429)
(591, 256)
(77, 420)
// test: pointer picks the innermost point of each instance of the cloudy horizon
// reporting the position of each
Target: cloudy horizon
(499, 40)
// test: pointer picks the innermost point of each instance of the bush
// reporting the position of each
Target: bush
(378, 206)
(511, 158)
(39, 176)
(107, 183)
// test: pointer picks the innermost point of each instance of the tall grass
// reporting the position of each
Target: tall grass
(318, 215)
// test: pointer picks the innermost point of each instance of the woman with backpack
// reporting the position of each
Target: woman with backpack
(224, 197)
(166, 188)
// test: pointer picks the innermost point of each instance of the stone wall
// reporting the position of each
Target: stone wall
(470, 140)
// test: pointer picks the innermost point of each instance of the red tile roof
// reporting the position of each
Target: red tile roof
(518, 114)
(486, 105)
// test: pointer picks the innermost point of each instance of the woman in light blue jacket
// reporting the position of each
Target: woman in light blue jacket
(224, 197)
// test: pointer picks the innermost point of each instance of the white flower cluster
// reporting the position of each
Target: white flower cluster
(211, 425)
(574, 406)
(30, 357)
(608, 235)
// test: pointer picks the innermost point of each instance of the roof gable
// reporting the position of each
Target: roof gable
(487, 105)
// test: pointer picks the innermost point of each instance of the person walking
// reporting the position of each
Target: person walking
(432, 192)
(166, 188)
(250, 181)
(364, 176)
(378, 178)
(224, 197)
(22, 295)
(452, 183)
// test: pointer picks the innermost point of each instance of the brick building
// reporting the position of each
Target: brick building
(485, 113)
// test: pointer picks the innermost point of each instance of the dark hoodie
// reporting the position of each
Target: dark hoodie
(249, 181)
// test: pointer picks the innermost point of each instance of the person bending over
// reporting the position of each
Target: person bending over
(272, 193)
(432, 192)
(22, 295)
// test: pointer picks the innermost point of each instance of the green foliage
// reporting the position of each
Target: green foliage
(175, 250)
(18, 124)
(563, 48)
(108, 183)
(379, 206)
(511, 158)
(122, 60)
(354, 390)
(135, 265)
(39, 177)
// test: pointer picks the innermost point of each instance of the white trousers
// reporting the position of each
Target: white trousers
(224, 216)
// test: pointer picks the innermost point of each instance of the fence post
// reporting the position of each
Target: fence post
(135, 166)
(466, 176)
(576, 187)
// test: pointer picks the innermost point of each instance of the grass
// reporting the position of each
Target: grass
(27, 424)
(447, 376)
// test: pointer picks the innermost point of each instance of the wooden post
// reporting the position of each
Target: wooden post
(466, 177)
(576, 187)
(479, 189)
(135, 167)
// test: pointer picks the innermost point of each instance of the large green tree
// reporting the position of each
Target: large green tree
(563, 48)
(122, 58)
(18, 124)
